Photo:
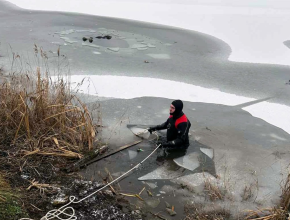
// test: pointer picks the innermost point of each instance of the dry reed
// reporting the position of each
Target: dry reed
(39, 116)
(276, 213)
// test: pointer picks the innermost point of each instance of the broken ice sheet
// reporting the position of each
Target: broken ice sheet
(195, 181)
(118, 174)
(65, 32)
(132, 154)
(160, 56)
(208, 152)
(66, 39)
(140, 132)
(163, 172)
(151, 185)
(114, 49)
(153, 203)
(151, 45)
(136, 46)
(90, 45)
(190, 161)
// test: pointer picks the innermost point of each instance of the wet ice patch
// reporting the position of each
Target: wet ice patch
(151, 46)
(118, 174)
(66, 32)
(159, 56)
(90, 45)
(114, 49)
(278, 137)
(132, 154)
(142, 48)
(153, 202)
(68, 40)
(163, 172)
(208, 152)
(195, 180)
(136, 46)
(81, 31)
(57, 43)
(151, 185)
(190, 161)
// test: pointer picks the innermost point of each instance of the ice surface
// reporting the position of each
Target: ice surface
(142, 48)
(160, 56)
(66, 32)
(208, 152)
(151, 45)
(125, 87)
(90, 45)
(162, 172)
(151, 185)
(190, 161)
(153, 203)
(136, 46)
(66, 39)
(114, 49)
(132, 154)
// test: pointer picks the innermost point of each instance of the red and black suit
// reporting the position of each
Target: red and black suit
(177, 126)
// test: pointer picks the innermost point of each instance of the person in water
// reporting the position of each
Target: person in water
(177, 126)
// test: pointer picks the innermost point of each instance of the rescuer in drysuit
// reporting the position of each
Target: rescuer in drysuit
(177, 126)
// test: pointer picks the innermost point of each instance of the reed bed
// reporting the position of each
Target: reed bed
(277, 213)
(41, 116)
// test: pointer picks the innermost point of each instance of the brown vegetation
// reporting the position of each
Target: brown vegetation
(41, 116)
(200, 212)
(213, 191)
(44, 127)
(276, 213)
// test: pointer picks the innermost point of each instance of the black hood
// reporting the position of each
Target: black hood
(178, 104)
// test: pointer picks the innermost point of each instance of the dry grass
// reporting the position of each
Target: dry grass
(39, 116)
(198, 212)
(267, 214)
(276, 213)
(213, 191)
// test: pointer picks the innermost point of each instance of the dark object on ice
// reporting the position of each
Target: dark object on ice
(288, 83)
(91, 40)
(85, 39)
(171, 212)
(145, 61)
(108, 37)
(81, 164)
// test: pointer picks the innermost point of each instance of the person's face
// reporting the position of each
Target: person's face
(171, 109)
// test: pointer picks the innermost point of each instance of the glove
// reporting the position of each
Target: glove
(165, 143)
(151, 129)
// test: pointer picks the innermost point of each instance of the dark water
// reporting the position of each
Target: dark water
(119, 163)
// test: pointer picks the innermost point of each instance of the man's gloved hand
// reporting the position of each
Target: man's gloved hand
(165, 143)
(150, 130)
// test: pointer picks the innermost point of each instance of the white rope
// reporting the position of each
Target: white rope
(69, 212)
